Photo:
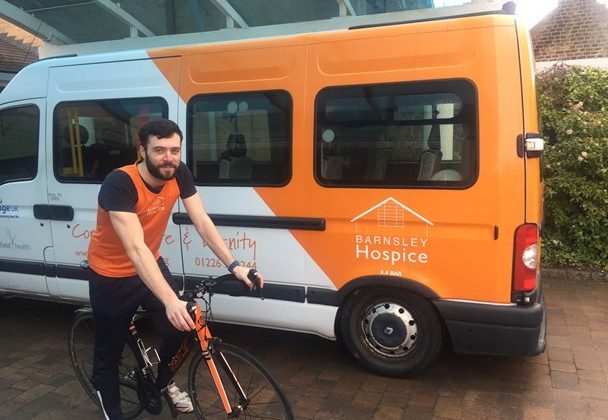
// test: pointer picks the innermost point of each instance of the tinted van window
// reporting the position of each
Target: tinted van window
(240, 138)
(420, 134)
(19, 143)
(91, 138)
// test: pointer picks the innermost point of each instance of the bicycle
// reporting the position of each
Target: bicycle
(224, 381)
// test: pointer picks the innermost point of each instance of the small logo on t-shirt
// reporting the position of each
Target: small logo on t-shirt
(157, 205)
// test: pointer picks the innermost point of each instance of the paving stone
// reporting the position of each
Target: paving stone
(347, 386)
(563, 366)
(480, 412)
(418, 413)
(571, 410)
(326, 415)
(598, 408)
(374, 383)
(388, 413)
(593, 389)
(509, 413)
(423, 399)
(9, 394)
(600, 336)
(307, 407)
(330, 375)
(449, 408)
(394, 399)
(33, 393)
(509, 399)
(367, 398)
(537, 383)
(564, 380)
(538, 413)
(558, 354)
(338, 404)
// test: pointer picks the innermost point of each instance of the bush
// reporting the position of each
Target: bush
(573, 104)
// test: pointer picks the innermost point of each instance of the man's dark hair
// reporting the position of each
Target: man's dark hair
(161, 128)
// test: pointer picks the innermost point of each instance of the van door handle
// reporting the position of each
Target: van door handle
(53, 212)
(532, 145)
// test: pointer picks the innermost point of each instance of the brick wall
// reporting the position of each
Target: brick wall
(576, 29)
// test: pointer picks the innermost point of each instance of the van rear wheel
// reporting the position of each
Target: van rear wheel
(391, 331)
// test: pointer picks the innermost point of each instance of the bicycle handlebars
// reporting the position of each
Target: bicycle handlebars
(231, 286)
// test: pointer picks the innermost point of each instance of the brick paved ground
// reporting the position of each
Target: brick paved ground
(569, 381)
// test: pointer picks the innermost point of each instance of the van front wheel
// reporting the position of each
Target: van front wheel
(391, 331)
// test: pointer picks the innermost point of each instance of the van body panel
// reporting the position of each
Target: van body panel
(300, 317)
(474, 212)
(99, 81)
(23, 237)
(29, 83)
(212, 70)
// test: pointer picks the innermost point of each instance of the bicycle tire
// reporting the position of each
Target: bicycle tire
(266, 399)
(80, 345)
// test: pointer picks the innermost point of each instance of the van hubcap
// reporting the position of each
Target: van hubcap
(389, 329)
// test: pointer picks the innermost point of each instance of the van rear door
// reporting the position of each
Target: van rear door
(534, 191)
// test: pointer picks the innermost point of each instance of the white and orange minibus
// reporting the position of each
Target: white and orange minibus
(385, 179)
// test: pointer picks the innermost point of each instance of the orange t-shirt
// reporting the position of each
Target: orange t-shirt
(106, 255)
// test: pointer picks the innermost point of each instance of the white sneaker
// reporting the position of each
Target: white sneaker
(180, 399)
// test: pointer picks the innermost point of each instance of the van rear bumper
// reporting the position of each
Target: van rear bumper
(495, 329)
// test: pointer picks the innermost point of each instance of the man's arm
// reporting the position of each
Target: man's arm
(131, 235)
(209, 233)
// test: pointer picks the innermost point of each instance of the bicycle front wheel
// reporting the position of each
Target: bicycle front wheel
(80, 344)
(252, 392)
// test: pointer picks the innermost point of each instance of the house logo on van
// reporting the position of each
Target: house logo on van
(391, 239)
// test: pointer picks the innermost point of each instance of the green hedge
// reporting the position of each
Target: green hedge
(573, 105)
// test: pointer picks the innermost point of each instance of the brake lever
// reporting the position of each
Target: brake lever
(253, 276)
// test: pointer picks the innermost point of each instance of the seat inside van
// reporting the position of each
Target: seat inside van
(234, 162)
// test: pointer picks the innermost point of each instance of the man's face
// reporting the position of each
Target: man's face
(162, 156)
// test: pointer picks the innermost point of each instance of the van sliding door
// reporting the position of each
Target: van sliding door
(96, 111)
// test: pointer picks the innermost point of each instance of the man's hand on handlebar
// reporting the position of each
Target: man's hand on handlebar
(241, 273)
(179, 316)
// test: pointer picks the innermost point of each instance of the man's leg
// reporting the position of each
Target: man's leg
(114, 301)
(175, 344)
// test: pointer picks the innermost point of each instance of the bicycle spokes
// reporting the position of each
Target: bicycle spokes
(250, 390)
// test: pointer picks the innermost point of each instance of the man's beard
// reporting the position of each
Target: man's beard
(155, 171)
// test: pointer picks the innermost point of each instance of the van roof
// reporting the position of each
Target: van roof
(234, 34)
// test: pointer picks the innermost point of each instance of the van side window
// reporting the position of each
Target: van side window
(91, 138)
(416, 135)
(240, 138)
(19, 143)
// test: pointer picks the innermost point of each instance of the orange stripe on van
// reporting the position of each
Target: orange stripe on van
(464, 258)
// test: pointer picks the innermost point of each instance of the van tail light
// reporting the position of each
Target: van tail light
(525, 259)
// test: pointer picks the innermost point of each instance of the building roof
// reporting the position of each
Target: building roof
(18, 48)
(576, 29)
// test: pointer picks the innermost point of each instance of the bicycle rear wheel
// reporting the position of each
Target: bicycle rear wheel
(80, 344)
(261, 396)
